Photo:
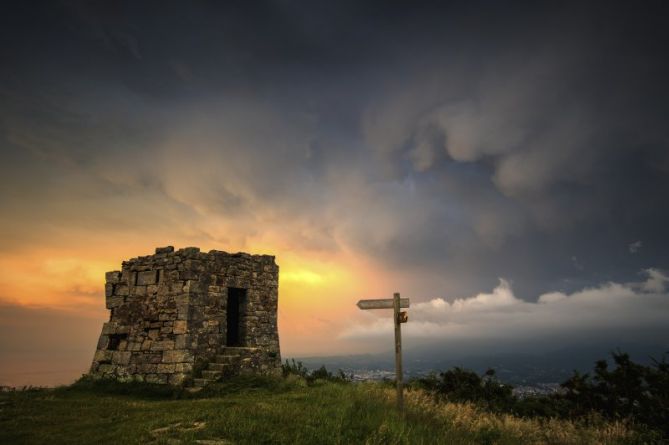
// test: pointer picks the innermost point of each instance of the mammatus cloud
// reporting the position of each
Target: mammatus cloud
(610, 310)
(437, 154)
(635, 246)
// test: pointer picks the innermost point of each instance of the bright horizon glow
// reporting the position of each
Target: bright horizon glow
(317, 293)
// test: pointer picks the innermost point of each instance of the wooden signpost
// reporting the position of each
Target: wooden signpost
(394, 303)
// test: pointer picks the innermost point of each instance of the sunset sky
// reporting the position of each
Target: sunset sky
(503, 164)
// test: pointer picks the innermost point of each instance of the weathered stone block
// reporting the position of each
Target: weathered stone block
(183, 367)
(182, 299)
(155, 358)
(165, 368)
(180, 341)
(190, 251)
(106, 368)
(180, 355)
(162, 345)
(155, 378)
(102, 356)
(113, 277)
(147, 368)
(180, 326)
(121, 357)
(185, 275)
(103, 341)
(172, 275)
(183, 311)
(114, 302)
(121, 290)
(191, 286)
(109, 327)
(147, 277)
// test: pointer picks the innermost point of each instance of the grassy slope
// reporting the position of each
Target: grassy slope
(256, 412)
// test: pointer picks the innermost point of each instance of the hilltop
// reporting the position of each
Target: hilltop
(278, 411)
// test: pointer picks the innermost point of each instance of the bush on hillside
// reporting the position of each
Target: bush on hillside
(298, 369)
(462, 385)
(627, 391)
(294, 368)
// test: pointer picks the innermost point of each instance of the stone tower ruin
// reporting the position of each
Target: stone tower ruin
(188, 317)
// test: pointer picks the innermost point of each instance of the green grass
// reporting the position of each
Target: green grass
(267, 411)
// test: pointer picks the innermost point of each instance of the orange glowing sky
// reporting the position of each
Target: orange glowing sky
(317, 295)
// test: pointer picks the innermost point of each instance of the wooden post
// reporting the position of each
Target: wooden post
(394, 303)
(398, 353)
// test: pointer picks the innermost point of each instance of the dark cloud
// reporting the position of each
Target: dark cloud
(461, 142)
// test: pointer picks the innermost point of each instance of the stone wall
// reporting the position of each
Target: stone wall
(169, 313)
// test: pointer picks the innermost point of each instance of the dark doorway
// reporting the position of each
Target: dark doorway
(236, 297)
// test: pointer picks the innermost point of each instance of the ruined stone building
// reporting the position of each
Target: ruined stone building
(189, 317)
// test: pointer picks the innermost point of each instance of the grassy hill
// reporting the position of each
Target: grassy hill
(271, 411)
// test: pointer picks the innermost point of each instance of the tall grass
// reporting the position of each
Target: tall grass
(468, 417)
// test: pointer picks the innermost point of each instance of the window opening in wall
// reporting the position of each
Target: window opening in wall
(115, 341)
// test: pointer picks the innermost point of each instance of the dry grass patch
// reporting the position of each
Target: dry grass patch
(469, 418)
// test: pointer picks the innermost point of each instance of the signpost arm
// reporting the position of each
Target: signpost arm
(398, 353)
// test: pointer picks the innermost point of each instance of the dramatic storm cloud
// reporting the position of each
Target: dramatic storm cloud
(372, 146)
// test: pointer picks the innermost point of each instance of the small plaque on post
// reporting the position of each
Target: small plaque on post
(402, 317)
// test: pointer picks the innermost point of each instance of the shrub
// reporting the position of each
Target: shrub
(629, 390)
(294, 368)
(462, 385)
(298, 369)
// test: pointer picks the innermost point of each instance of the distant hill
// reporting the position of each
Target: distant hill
(518, 369)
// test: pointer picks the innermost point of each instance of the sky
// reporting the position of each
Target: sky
(503, 164)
